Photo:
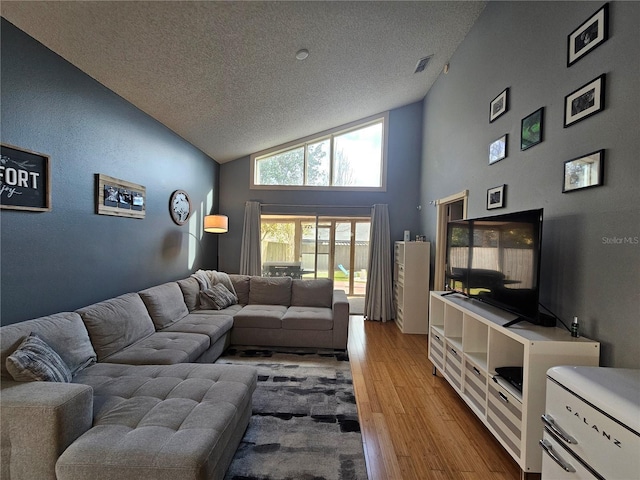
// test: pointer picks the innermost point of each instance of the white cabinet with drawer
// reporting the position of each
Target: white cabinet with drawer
(475, 386)
(504, 414)
(436, 347)
(467, 344)
(453, 365)
(411, 286)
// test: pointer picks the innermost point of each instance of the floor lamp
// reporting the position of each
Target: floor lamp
(216, 224)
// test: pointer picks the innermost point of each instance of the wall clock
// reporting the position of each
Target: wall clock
(180, 207)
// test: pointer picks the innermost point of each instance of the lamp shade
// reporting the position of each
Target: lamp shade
(216, 223)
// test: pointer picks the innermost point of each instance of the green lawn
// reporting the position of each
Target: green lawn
(337, 275)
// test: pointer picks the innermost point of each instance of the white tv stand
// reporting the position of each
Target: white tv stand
(467, 342)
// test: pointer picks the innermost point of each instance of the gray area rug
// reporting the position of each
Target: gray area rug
(305, 421)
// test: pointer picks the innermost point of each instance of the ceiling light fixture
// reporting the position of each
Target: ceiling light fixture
(302, 54)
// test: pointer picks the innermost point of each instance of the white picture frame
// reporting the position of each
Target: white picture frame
(591, 34)
(499, 105)
(585, 101)
(495, 197)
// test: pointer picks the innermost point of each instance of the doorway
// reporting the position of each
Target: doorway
(317, 247)
(453, 207)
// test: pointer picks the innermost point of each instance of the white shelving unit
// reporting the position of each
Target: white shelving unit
(467, 342)
(411, 286)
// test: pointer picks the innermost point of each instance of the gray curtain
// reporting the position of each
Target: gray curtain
(378, 299)
(250, 261)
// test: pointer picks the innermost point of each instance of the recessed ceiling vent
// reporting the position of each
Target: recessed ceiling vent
(422, 64)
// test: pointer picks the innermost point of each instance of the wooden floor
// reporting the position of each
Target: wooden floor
(414, 426)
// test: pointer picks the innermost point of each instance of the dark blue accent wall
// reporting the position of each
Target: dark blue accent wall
(70, 257)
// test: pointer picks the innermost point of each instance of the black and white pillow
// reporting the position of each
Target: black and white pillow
(217, 297)
(35, 360)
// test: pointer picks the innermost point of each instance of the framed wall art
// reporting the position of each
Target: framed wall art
(583, 172)
(591, 34)
(495, 197)
(180, 207)
(499, 105)
(585, 101)
(119, 198)
(25, 179)
(498, 149)
(531, 129)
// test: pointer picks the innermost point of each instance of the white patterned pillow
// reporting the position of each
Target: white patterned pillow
(217, 297)
(35, 360)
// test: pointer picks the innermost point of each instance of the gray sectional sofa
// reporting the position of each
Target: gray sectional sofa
(145, 400)
(281, 311)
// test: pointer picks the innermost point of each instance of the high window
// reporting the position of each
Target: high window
(352, 157)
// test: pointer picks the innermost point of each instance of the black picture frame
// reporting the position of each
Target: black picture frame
(532, 129)
(585, 101)
(499, 105)
(585, 171)
(592, 33)
(498, 149)
(25, 179)
(495, 197)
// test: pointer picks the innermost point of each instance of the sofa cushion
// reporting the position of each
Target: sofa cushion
(116, 323)
(215, 326)
(217, 297)
(160, 422)
(230, 310)
(241, 285)
(165, 304)
(270, 291)
(64, 332)
(260, 316)
(35, 360)
(223, 278)
(190, 291)
(312, 293)
(308, 318)
(163, 348)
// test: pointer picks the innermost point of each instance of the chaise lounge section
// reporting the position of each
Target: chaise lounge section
(118, 420)
(145, 400)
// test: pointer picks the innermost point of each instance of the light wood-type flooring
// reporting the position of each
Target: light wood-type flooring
(414, 426)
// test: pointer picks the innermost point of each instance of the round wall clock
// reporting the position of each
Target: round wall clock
(180, 207)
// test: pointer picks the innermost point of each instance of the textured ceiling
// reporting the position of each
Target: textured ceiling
(223, 75)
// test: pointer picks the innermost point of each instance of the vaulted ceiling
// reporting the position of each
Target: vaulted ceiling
(224, 75)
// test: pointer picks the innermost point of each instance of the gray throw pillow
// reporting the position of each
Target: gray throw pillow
(217, 297)
(36, 360)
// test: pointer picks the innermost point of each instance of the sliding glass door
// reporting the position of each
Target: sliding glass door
(317, 247)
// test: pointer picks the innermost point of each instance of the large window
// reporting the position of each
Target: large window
(351, 157)
(317, 247)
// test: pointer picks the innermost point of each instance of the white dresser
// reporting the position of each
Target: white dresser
(411, 286)
(468, 344)
(591, 424)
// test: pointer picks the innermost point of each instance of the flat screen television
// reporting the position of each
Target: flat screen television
(496, 260)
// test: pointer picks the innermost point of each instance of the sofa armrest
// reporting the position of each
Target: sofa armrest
(340, 307)
(39, 421)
